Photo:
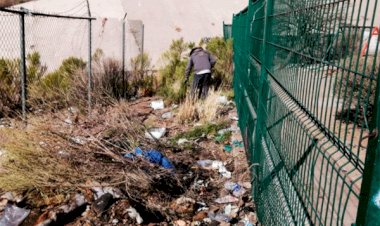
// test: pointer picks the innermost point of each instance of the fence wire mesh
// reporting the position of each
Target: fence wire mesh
(48, 42)
(306, 88)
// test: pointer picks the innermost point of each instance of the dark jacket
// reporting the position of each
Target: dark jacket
(200, 59)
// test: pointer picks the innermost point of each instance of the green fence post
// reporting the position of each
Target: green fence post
(369, 206)
(263, 94)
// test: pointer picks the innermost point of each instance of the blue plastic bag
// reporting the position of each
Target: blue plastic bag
(152, 156)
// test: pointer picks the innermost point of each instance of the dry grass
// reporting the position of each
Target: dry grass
(203, 110)
(27, 164)
(188, 111)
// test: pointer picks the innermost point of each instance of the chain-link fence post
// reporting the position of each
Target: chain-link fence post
(23, 65)
(89, 66)
(123, 56)
(142, 48)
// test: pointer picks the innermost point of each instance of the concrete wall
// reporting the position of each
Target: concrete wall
(166, 20)
(56, 39)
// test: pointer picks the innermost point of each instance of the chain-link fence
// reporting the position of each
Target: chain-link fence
(35, 44)
(307, 93)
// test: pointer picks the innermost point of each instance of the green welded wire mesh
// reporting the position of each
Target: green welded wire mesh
(305, 88)
(227, 31)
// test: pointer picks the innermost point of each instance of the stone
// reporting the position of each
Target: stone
(200, 216)
(180, 223)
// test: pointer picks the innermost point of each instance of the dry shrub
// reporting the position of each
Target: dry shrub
(357, 90)
(187, 111)
(203, 110)
(27, 165)
(209, 108)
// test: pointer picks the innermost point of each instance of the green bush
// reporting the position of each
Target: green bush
(173, 73)
(223, 51)
(142, 77)
(51, 91)
(10, 87)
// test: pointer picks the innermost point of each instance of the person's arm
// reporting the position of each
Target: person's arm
(189, 66)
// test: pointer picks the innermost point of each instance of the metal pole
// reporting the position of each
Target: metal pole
(142, 50)
(123, 56)
(89, 66)
(23, 65)
(369, 206)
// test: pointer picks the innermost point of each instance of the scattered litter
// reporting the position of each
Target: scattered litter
(99, 191)
(63, 154)
(2, 152)
(174, 106)
(237, 144)
(155, 133)
(115, 221)
(219, 217)
(103, 203)
(13, 216)
(12, 197)
(167, 115)
(182, 141)
(226, 199)
(157, 105)
(68, 121)
(231, 210)
(73, 110)
(78, 140)
(153, 156)
(228, 148)
(247, 185)
(223, 131)
(233, 118)
(250, 219)
(210, 164)
(132, 213)
(222, 100)
(237, 189)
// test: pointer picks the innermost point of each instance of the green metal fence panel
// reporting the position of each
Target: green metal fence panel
(227, 31)
(307, 93)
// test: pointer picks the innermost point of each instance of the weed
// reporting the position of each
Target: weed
(199, 131)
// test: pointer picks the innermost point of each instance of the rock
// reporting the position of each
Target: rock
(182, 141)
(180, 223)
(246, 185)
(224, 224)
(200, 216)
(103, 203)
(167, 115)
(183, 205)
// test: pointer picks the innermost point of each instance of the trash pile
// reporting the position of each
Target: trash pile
(111, 169)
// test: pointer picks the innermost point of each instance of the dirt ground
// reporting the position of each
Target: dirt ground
(98, 179)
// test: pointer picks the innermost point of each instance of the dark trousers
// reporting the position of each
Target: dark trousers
(200, 86)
